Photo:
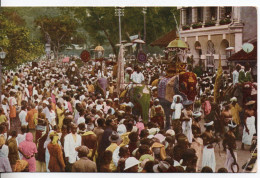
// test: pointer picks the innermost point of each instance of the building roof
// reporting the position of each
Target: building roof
(164, 40)
(243, 56)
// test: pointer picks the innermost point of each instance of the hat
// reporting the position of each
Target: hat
(130, 162)
(154, 88)
(170, 132)
(82, 149)
(250, 102)
(163, 166)
(234, 99)
(153, 131)
(45, 102)
(177, 96)
(116, 99)
(209, 124)
(232, 125)
(114, 137)
(196, 114)
(187, 102)
(160, 137)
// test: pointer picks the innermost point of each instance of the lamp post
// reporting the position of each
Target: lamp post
(119, 11)
(2, 56)
(144, 12)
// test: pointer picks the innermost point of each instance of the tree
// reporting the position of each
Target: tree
(15, 41)
(102, 25)
(57, 31)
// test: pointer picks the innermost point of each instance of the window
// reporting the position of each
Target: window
(213, 13)
(228, 12)
(210, 60)
(200, 14)
(189, 15)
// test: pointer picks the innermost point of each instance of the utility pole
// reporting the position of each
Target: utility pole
(119, 12)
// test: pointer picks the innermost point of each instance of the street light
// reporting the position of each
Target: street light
(144, 11)
(2, 56)
(119, 11)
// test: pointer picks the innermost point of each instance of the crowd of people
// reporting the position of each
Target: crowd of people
(65, 118)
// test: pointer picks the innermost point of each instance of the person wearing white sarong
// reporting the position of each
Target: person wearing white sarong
(208, 156)
(249, 124)
(247, 136)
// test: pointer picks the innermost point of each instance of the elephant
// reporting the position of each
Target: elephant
(183, 84)
(244, 92)
(139, 95)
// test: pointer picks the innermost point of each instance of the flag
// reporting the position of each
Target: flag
(218, 80)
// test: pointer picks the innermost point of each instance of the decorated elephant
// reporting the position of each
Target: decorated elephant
(140, 96)
(242, 91)
(183, 84)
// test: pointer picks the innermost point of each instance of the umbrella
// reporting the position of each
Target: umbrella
(177, 43)
(138, 41)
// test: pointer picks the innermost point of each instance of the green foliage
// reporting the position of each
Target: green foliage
(225, 21)
(185, 27)
(197, 25)
(210, 23)
(14, 40)
(59, 30)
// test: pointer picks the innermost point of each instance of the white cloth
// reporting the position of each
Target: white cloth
(69, 147)
(230, 160)
(81, 120)
(177, 107)
(247, 138)
(235, 77)
(208, 158)
(137, 77)
(22, 117)
(115, 156)
(12, 101)
(46, 111)
(4, 151)
(20, 138)
(52, 118)
(186, 127)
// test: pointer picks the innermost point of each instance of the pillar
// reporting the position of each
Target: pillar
(221, 13)
(194, 15)
(218, 15)
(236, 14)
(238, 41)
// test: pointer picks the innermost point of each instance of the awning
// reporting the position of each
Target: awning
(242, 56)
(164, 40)
(66, 59)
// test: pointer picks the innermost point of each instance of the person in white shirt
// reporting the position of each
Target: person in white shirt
(81, 119)
(22, 116)
(137, 76)
(176, 107)
(236, 74)
(71, 141)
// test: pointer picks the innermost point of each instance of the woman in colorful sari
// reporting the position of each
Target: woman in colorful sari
(28, 149)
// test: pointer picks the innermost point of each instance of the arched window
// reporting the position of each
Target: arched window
(210, 47)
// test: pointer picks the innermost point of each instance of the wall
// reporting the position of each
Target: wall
(249, 18)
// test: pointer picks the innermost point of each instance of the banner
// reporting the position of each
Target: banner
(142, 57)
(85, 56)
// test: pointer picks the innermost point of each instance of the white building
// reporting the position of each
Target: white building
(210, 31)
